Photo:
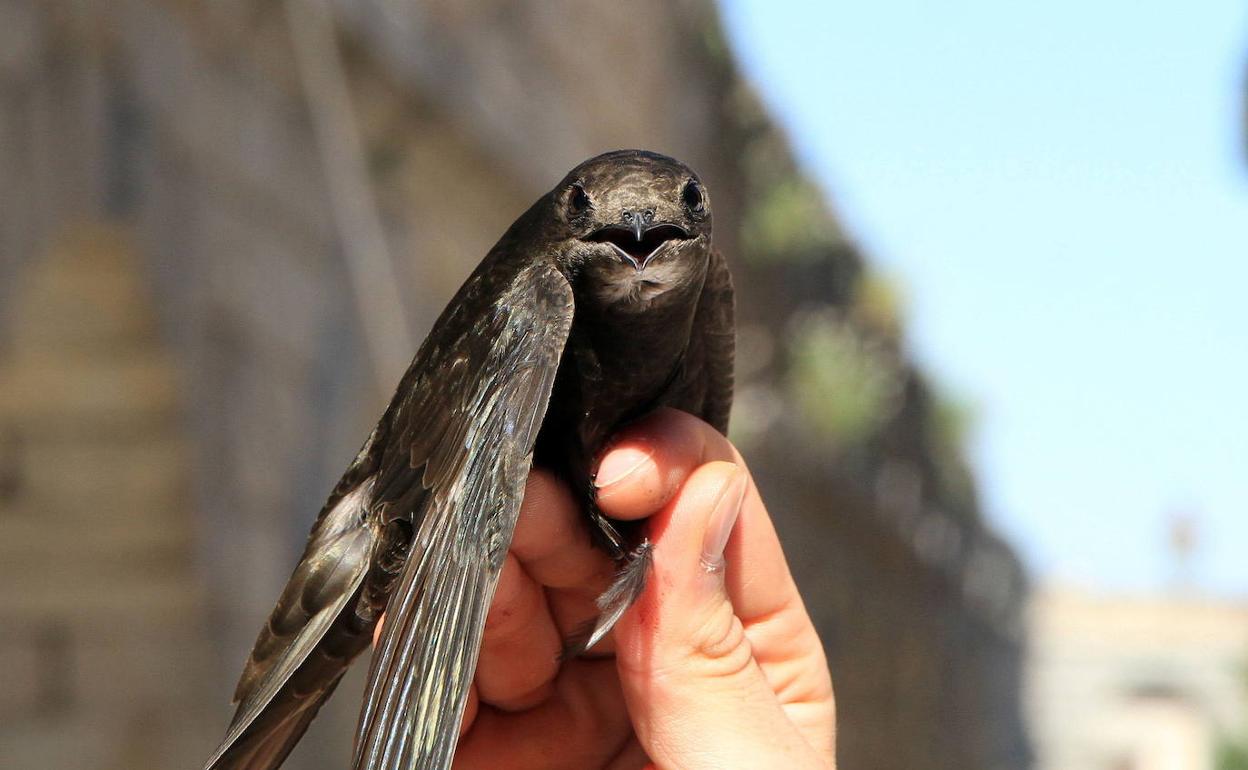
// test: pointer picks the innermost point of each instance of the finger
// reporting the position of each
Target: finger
(650, 459)
(574, 610)
(775, 621)
(552, 544)
(631, 757)
(696, 695)
(675, 444)
(520, 646)
(470, 710)
(552, 540)
(583, 724)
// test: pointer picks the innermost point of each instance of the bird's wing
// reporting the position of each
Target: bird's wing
(310, 637)
(469, 420)
(712, 347)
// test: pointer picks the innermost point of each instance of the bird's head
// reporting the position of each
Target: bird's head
(634, 225)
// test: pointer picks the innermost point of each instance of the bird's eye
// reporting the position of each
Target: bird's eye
(578, 199)
(693, 198)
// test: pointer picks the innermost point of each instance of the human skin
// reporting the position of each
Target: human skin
(717, 665)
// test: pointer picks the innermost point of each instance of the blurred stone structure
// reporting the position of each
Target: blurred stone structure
(101, 616)
(165, 159)
(1135, 682)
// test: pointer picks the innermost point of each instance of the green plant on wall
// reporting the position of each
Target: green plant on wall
(788, 223)
(877, 306)
(1231, 752)
(1231, 755)
(845, 386)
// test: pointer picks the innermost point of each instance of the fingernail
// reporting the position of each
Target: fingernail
(620, 463)
(723, 519)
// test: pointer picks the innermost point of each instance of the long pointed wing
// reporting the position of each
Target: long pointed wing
(472, 416)
(298, 657)
(712, 348)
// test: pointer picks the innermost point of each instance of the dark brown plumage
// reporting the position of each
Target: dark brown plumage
(602, 302)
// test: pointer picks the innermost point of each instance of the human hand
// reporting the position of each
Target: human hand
(717, 665)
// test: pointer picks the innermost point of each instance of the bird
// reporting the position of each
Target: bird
(602, 302)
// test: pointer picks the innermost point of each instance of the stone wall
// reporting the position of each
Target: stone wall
(187, 124)
(102, 629)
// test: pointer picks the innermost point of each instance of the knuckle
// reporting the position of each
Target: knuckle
(719, 645)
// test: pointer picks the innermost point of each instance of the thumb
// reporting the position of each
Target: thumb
(695, 693)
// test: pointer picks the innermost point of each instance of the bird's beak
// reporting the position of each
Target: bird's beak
(638, 241)
(639, 227)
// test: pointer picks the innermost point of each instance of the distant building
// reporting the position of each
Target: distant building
(1134, 682)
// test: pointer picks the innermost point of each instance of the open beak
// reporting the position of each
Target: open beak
(638, 241)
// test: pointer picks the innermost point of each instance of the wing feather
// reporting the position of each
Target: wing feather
(273, 713)
(713, 346)
(449, 458)
(484, 396)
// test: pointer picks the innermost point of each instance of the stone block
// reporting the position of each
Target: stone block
(87, 479)
(86, 294)
(45, 384)
(24, 690)
(99, 603)
(42, 544)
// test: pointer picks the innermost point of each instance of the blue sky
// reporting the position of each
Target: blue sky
(1060, 189)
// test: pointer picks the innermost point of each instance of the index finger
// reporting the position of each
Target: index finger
(676, 444)
(649, 460)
